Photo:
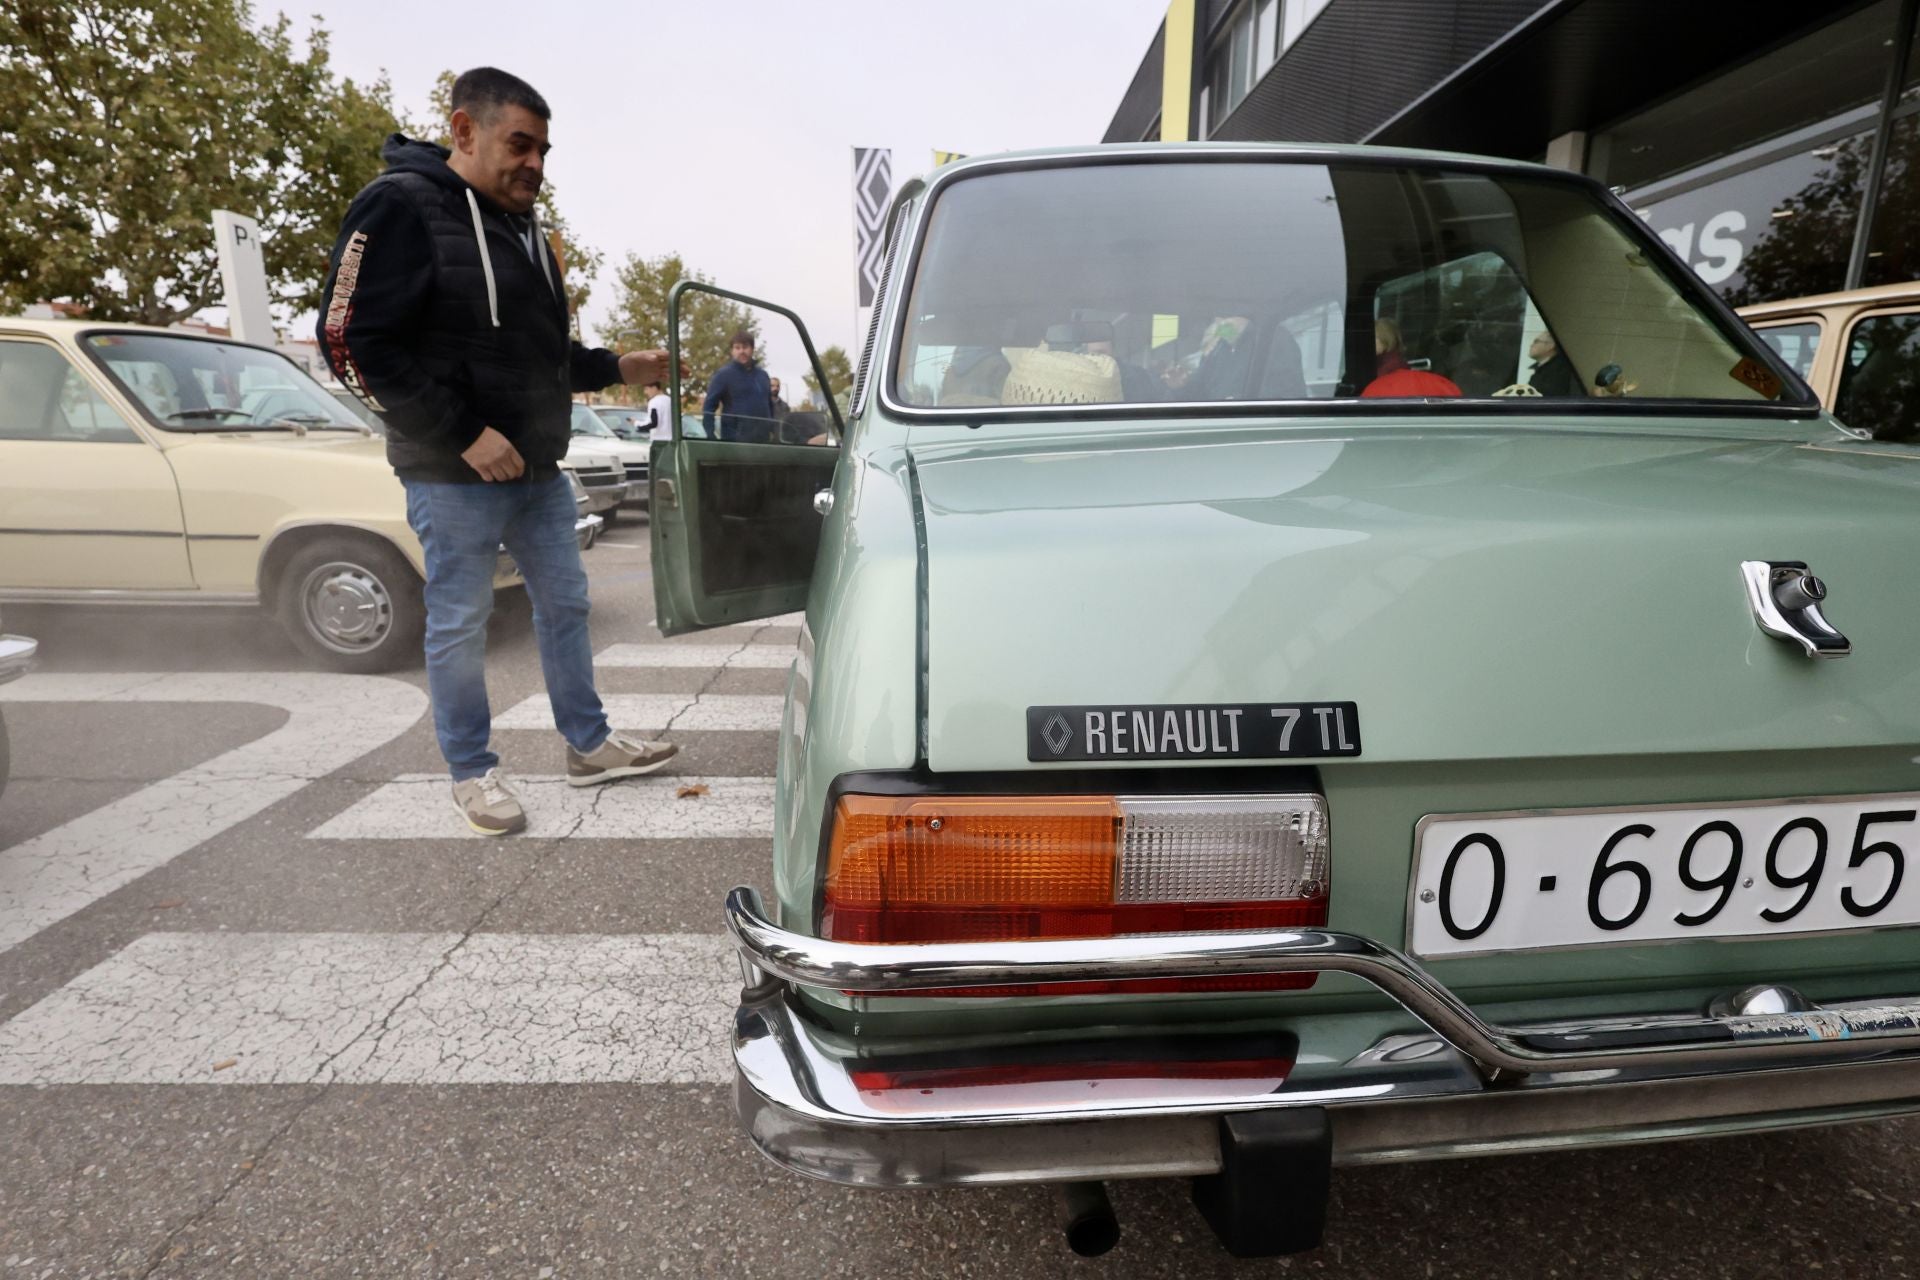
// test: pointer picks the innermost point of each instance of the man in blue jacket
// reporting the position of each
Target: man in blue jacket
(743, 391)
(445, 311)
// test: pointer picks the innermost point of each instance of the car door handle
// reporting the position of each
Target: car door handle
(823, 502)
(664, 493)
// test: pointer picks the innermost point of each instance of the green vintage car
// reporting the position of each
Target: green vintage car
(1313, 656)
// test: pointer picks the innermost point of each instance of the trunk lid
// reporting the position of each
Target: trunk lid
(1480, 593)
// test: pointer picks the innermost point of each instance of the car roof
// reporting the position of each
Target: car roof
(70, 330)
(1872, 295)
(1324, 151)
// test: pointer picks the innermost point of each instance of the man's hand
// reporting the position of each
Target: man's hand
(494, 457)
(639, 367)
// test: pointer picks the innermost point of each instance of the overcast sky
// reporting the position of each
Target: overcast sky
(723, 129)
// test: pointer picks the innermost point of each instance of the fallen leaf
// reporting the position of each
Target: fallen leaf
(168, 905)
(690, 790)
(224, 1063)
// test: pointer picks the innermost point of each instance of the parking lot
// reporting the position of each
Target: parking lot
(266, 1009)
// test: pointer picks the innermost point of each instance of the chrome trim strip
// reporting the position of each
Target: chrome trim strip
(93, 533)
(127, 596)
(16, 656)
(1698, 1041)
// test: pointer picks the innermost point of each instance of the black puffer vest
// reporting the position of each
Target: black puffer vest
(495, 326)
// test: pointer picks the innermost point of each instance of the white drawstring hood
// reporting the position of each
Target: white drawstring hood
(539, 247)
(486, 259)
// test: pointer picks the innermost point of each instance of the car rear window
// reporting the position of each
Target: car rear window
(1178, 282)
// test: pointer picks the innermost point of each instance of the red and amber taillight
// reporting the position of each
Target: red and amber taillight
(986, 868)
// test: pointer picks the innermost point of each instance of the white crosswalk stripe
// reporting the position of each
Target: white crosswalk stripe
(332, 719)
(392, 1008)
(659, 712)
(714, 657)
(419, 806)
(401, 1008)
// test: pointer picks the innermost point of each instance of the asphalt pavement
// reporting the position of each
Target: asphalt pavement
(266, 1009)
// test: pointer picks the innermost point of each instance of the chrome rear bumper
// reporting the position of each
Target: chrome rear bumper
(1465, 1087)
(16, 656)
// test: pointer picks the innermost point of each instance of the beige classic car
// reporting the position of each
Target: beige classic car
(146, 466)
(1859, 351)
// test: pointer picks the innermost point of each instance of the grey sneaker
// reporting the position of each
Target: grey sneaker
(618, 757)
(489, 805)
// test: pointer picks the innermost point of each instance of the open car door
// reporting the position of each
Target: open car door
(734, 528)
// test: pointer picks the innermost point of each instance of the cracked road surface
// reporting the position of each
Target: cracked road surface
(268, 1009)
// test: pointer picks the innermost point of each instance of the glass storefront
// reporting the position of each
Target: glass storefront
(1784, 228)
(1774, 213)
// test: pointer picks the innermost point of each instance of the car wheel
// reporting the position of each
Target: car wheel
(353, 604)
(608, 516)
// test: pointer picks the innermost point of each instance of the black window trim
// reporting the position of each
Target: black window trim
(1796, 400)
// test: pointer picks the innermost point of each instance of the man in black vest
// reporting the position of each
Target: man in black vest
(444, 310)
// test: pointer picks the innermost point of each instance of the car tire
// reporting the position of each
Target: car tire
(608, 516)
(352, 604)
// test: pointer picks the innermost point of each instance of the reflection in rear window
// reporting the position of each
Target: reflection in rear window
(1795, 344)
(1189, 282)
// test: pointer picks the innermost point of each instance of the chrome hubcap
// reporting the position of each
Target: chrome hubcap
(347, 608)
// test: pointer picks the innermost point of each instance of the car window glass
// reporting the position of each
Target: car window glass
(760, 388)
(1474, 319)
(1880, 378)
(587, 423)
(1796, 344)
(195, 384)
(43, 397)
(1177, 282)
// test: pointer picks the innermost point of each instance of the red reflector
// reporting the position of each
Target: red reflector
(1134, 986)
(1054, 1072)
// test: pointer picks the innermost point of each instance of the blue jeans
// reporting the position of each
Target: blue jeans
(462, 527)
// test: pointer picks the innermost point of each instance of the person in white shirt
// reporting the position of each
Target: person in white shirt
(660, 410)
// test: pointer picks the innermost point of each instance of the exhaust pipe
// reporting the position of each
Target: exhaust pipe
(1086, 1216)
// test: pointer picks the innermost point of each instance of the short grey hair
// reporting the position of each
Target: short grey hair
(482, 91)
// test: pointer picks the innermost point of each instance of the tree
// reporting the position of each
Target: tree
(125, 123)
(579, 262)
(1805, 246)
(839, 372)
(707, 322)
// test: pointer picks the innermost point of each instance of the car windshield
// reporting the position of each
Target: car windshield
(192, 384)
(1182, 282)
(587, 423)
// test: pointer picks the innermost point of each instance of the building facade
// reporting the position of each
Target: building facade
(1771, 142)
